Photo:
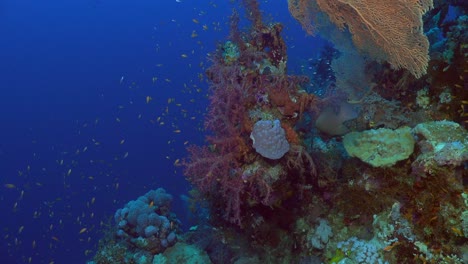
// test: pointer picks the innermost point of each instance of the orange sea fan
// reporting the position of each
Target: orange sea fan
(389, 31)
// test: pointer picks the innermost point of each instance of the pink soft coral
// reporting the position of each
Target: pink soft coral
(216, 169)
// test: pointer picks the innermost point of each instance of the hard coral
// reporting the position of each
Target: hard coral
(147, 222)
(269, 139)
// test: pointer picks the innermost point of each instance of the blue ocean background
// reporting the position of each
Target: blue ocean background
(99, 101)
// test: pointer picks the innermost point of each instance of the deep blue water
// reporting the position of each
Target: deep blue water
(75, 77)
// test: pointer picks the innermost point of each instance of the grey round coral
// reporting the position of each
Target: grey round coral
(269, 139)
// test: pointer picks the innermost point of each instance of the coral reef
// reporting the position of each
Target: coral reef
(400, 202)
(366, 166)
(144, 227)
(147, 222)
(254, 106)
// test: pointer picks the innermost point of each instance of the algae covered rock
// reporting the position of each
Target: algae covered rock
(443, 142)
(380, 147)
(182, 253)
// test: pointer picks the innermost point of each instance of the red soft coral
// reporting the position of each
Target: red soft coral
(216, 169)
(213, 174)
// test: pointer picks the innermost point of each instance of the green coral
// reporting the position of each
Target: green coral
(380, 147)
(339, 255)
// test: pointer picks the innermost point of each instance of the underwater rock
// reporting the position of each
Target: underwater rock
(380, 147)
(443, 142)
(182, 253)
(331, 122)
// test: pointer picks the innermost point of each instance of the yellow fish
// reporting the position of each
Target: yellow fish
(148, 99)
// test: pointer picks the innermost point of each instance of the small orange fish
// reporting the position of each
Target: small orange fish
(457, 231)
(390, 247)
